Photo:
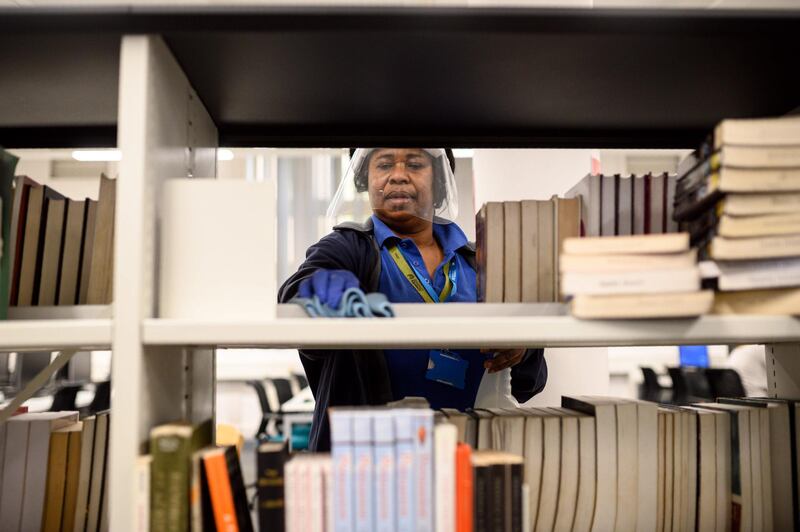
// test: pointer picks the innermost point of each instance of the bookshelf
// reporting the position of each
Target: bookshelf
(167, 85)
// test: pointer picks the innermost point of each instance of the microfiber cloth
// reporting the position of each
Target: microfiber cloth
(354, 304)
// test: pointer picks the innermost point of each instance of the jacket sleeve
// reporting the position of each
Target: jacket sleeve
(529, 376)
(339, 250)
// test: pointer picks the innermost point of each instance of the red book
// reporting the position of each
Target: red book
(464, 494)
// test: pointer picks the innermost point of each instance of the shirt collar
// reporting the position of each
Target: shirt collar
(450, 236)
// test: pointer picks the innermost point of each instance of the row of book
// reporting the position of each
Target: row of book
(738, 197)
(518, 245)
(617, 205)
(595, 463)
(53, 472)
(60, 249)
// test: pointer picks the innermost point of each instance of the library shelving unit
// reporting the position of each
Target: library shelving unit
(169, 85)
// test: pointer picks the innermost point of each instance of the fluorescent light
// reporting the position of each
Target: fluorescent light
(224, 154)
(463, 153)
(97, 155)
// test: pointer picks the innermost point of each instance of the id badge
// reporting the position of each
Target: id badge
(447, 367)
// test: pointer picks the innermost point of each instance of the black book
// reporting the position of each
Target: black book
(270, 460)
(238, 490)
(482, 485)
(515, 471)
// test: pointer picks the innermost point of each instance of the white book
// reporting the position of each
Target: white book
(707, 469)
(758, 131)
(606, 439)
(669, 466)
(641, 306)
(34, 481)
(752, 274)
(291, 500)
(534, 449)
(641, 282)
(385, 470)
(627, 262)
(625, 206)
(568, 476)
(627, 245)
(671, 225)
(691, 488)
(627, 465)
(445, 440)
(588, 189)
(330, 518)
(658, 188)
(529, 251)
(423, 449)
(508, 431)
(551, 464)
(764, 247)
(647, 442)
(316, 493)
(764, 203)
(142, 515)
(660, 479)
(512, 252)
(584, 505)
(341, 423)
(363, 472)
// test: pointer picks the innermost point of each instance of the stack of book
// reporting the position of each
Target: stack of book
(647, 276)
(616, 205)
(738, 196)
(53, 472)
(518, 245)
(60, 250)
(188, 483)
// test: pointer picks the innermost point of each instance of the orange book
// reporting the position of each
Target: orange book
(464, 506)
(219, 487)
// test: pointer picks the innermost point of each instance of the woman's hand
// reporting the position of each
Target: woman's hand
(328, 286)
(503, 358)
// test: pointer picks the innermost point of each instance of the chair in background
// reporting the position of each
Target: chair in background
(102, 398)
(283, 388)
(302, 381)
(725, 382)
(270, 416)
(689, 385)
(64, 398)
(652, 389)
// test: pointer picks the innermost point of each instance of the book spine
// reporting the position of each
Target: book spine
(170, 484)
(219, 486)
(342, 454)
(445, 436)
(482, 486)
(385, 474)
(238, 490)
(424, 462)
(270, 486)
(515, 471)
(364, 472)
(499, 514)
(464, 489)
(143, 466)
(406, 470)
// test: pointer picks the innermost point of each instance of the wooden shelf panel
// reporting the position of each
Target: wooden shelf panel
(29, 335)
(467, 328)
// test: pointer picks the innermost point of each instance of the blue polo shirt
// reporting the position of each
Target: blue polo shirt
(407, 367)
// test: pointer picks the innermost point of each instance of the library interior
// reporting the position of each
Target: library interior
(400, 266)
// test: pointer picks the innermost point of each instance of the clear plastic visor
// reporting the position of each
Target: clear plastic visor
(398, 185)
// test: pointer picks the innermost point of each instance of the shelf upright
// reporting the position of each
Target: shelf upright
(164, 131)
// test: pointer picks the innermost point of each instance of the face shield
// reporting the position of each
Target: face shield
(398, 185)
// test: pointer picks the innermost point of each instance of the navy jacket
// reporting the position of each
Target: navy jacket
(347, 377)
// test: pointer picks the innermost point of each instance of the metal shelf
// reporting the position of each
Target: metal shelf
(432, 325)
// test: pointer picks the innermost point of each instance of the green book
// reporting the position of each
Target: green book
(9, 164)
(172, 446)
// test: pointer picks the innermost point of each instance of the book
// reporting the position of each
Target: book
(143, 466)
(609, 192)
(490, 240)
(546, 252)
(633, 282)
(171, 446)
(508, 430)
(627, 262)
(567, 225)
(784, 131)
(464, 489)
(624, 221)
(47, 294)
(639, 201)
(87, 250)
(30, 246)
(220, 489)
(22, 187)
(102, 263)
(99, 462)
(385, 477)
(445, 442)
(658, 203)
(363, 471)
(584, 504)
(512, 252)
(765, 247)
(406, 469)
(56, 485)
(589, 190)
(746, 204)
(568, 474)
(69, 273)
(755, 274)
(8, 164)
(605, 514)
(85, 475)
(270, 460)
(671, 225)
(636, 244)
(641, 306)
(758, 225)
(530, 251)
(423, 454)
(647, 470)
(772, 302)
(72, 478)
(533, 455)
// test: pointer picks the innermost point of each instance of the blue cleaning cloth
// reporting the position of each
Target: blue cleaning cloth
(354, 304)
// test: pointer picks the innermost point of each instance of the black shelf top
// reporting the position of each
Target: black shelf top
(465, 77)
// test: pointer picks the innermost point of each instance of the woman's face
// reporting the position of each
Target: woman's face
(401, 184)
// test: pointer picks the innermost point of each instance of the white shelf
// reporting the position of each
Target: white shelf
(28, 335)
(461, 326)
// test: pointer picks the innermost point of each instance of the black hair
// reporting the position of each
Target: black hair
(439, 188)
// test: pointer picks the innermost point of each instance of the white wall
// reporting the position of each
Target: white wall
(502, 175)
